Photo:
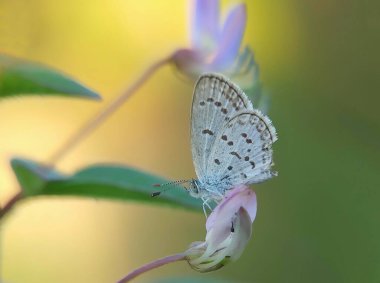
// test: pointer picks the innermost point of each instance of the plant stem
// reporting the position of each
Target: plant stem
(152, 265)
(106, 112)
(8, 206)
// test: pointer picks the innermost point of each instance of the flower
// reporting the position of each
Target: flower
(214, 48)
(229, 227)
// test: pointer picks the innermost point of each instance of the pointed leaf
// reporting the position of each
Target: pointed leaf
(18, 76)
(101, 181)
(33, 177)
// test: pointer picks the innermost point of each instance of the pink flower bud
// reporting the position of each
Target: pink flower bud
(229, 228)
(214, 46)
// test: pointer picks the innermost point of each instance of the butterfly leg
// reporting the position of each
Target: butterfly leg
(219, 194)
(204, 210)
(205, 205)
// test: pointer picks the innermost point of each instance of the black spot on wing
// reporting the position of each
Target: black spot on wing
(260, 126)
(265, 147)
(225, 177)
(235, 154)
(240, 122)
(209, 132)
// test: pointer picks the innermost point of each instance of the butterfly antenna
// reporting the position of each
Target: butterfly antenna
(175, 183)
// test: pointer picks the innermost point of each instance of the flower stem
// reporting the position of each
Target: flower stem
(152, 265)
(8, 206)
(106, 112)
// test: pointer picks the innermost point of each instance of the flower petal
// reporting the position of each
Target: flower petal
(240, 196)
(205, 21)
(211, 255)
(243, 228)
(231, 37)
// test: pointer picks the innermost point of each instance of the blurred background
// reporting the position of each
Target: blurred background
(317, 222)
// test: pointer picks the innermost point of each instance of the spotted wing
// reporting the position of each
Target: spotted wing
(215, 101)
(242, 153)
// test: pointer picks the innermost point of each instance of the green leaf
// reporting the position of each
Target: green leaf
(101, 181)
(32, 178)
(18, 76)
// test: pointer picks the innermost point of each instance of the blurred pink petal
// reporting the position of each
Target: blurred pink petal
(189, 61)
(205, 23)
(214, 49)
(231, 37)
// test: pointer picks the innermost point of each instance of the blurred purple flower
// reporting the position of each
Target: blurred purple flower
(215, 47)
(229, 227)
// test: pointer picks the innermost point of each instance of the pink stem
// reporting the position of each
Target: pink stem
(105, 113)
(152, 265)
(8, 206)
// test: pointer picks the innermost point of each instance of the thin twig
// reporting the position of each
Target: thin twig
(152, 265)
(105, 113)
(8, 206)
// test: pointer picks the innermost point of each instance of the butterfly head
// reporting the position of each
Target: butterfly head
(194, 188)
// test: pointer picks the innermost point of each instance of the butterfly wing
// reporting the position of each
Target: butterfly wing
(215, 101)
(242, 153)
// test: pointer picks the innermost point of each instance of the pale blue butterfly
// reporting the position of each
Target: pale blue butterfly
(231, 141)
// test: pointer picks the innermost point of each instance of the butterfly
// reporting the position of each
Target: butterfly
(231, 142)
